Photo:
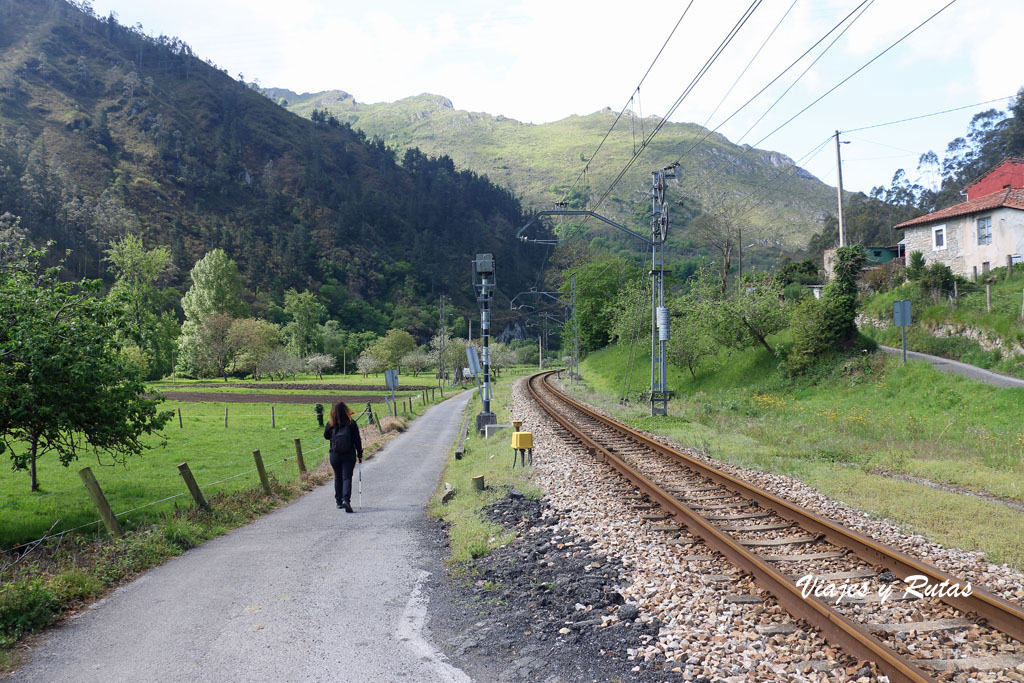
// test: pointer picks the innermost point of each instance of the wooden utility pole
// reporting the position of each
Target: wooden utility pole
(298, 456)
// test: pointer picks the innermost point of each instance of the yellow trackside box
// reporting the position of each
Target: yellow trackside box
(522, 441)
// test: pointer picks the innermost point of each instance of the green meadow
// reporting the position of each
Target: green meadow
(848, 431)
(220, 458)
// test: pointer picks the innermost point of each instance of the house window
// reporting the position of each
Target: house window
(939, 237)
(985, 230)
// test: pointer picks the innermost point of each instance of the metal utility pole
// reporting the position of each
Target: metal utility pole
(574, 370)
(442, 335)
(483, 282)
(839, 191)
(660, 394)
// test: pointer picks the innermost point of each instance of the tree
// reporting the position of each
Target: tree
(214, 349)
(303, 331)
(253, 341)
(389, 349)
(144, 322)
(343, 345)
(596, 282)
(64, 387)
(367, 363)
(823, 326)
(416, 361)
(720, 228)
(216, 288)
(316, 363)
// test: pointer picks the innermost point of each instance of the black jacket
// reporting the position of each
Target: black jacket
(357, 443)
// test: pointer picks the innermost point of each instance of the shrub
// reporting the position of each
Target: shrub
(25, 607)
(915, 265)
(795, 292)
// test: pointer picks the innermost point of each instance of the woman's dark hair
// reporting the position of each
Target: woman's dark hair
(340, 415)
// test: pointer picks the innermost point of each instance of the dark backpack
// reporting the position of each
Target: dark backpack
(341, 439)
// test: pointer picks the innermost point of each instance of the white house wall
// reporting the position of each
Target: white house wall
(1007, 239)
(963, 253)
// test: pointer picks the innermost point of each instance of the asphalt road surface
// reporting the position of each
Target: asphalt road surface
(306, 593)
(957, 368)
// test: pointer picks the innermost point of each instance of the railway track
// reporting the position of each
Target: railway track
(796, 555)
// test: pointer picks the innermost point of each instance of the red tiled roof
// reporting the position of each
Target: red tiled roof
(1011, 198)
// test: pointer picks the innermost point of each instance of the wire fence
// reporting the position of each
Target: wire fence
(70, 503)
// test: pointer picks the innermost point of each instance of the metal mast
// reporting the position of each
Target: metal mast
(574, 369)
(660, 394)
(483, 268)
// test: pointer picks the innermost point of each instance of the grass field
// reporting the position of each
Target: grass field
(845, 430)
(220, 459)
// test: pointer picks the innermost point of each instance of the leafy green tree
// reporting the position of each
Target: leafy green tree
(64, 386)
(136, 294)
(253, 341)
(824, 326)
(344, 345)
(389, 349)
(597, 284)
(303, 330)
(215, 350)
(216, 288)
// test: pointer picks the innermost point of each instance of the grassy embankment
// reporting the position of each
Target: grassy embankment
(846, 430)
(471, 534)
(37, 586)
(1004, 322)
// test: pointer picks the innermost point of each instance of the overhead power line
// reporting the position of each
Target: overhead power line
(689, 88)
(925, 116)
(636, 90)
(864, 66)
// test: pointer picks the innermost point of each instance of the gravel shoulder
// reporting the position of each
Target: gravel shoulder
(590, 590)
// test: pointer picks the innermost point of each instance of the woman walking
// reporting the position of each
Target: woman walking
(346, 447)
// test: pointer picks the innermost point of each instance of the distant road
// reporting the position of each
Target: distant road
(307, 593)
(957, 368)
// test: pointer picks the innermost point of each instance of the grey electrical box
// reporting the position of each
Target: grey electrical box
(484, 264)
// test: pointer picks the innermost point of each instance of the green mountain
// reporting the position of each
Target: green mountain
(105, 130)
(540, 162)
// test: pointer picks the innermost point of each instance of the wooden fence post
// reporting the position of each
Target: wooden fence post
(225, 417)
(193, 487)
(179, 419)
(298, 456)
(988, 298)
(376, 421)
(262, 472)
(273, 421)
(478, 483)
(100, 501)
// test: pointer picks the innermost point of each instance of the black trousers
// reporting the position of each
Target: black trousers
(343, 464)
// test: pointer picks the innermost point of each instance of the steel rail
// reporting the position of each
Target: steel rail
(836, 628)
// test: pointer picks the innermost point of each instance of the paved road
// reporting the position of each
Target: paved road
(307, 593)
(956, 367)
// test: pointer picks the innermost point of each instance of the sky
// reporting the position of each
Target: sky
(543, 60)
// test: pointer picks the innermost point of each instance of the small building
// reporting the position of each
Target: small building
(876, 256)
(981, 233)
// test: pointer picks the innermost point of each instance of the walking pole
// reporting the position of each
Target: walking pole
(360, 483)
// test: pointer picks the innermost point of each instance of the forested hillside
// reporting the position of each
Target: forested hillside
(106, 131)
(542, 161)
